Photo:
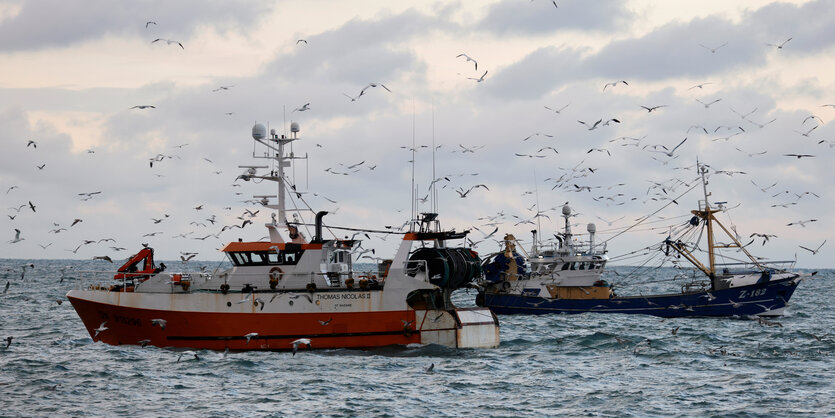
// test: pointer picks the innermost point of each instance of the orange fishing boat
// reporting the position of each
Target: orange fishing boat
(291, 287)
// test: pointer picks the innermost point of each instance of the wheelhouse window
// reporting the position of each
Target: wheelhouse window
(264, 258)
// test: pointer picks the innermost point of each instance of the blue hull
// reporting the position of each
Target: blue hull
(748, 300)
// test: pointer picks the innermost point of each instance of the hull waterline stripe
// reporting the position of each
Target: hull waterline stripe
(296, 336)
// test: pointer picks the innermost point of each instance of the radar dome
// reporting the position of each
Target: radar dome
(591, 228)
(566, 210)
(294, 127)
(259, 131)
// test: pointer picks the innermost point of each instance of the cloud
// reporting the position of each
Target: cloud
(58, 24)
(540, 16)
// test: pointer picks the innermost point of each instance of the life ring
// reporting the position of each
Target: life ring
(311, 287)
(505, 285)
(185, 284)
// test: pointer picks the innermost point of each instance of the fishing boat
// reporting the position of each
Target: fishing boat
(569, 281)
(293, 292)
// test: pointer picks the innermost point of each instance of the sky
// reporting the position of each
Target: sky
(745, 82)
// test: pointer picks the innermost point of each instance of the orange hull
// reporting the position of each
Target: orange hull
(219, 331)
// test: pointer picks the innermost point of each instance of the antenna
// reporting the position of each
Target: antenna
(434, 189)
(536, 196)
(413, 197)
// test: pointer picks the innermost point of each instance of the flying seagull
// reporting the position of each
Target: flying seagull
(468, 60)
(713, 50)
(815, 251)
(707, 105)
(144, 107)
(169, 42)
(614, 83)
(301, 40)
(780, 45)
(303, 108)
(669, 153)
(650, 109)
(99, 330)
(150, 22)
(480, 79)
(17, 237)
(300, 341)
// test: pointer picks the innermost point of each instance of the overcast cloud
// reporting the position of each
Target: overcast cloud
(90, 137)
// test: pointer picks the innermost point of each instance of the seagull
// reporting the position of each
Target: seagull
(468, 60)
(250, 336)
(815, 251)
(300, 341)
(31, 206)
(670, 152)
(144, 107)
(223, 88)
(707, 105)
(598, 123)
(300, 41)
(430, 368)
(806, 134)
(17, 237)
(103, 257)
(699, 86)
(480, 79)
(169, 42)
(780, 45)
(99, 330)
(32, 143)
(650, 109)
(188, 353)
(144, 342)
(6, 288)
(150, 22)
(713, 50)
(373, 85)
(614, 83)
(160, 322)
(303, 108)
(557, 110)
(323, 323)
(799, 156)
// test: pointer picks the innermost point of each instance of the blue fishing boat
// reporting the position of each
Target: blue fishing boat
(568, 279)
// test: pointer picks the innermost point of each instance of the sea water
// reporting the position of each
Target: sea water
(586, 364)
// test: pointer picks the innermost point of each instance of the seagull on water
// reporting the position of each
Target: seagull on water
(300, 341)
(188, 353)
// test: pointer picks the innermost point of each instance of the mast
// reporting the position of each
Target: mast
(277, 144)
(706, 214)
